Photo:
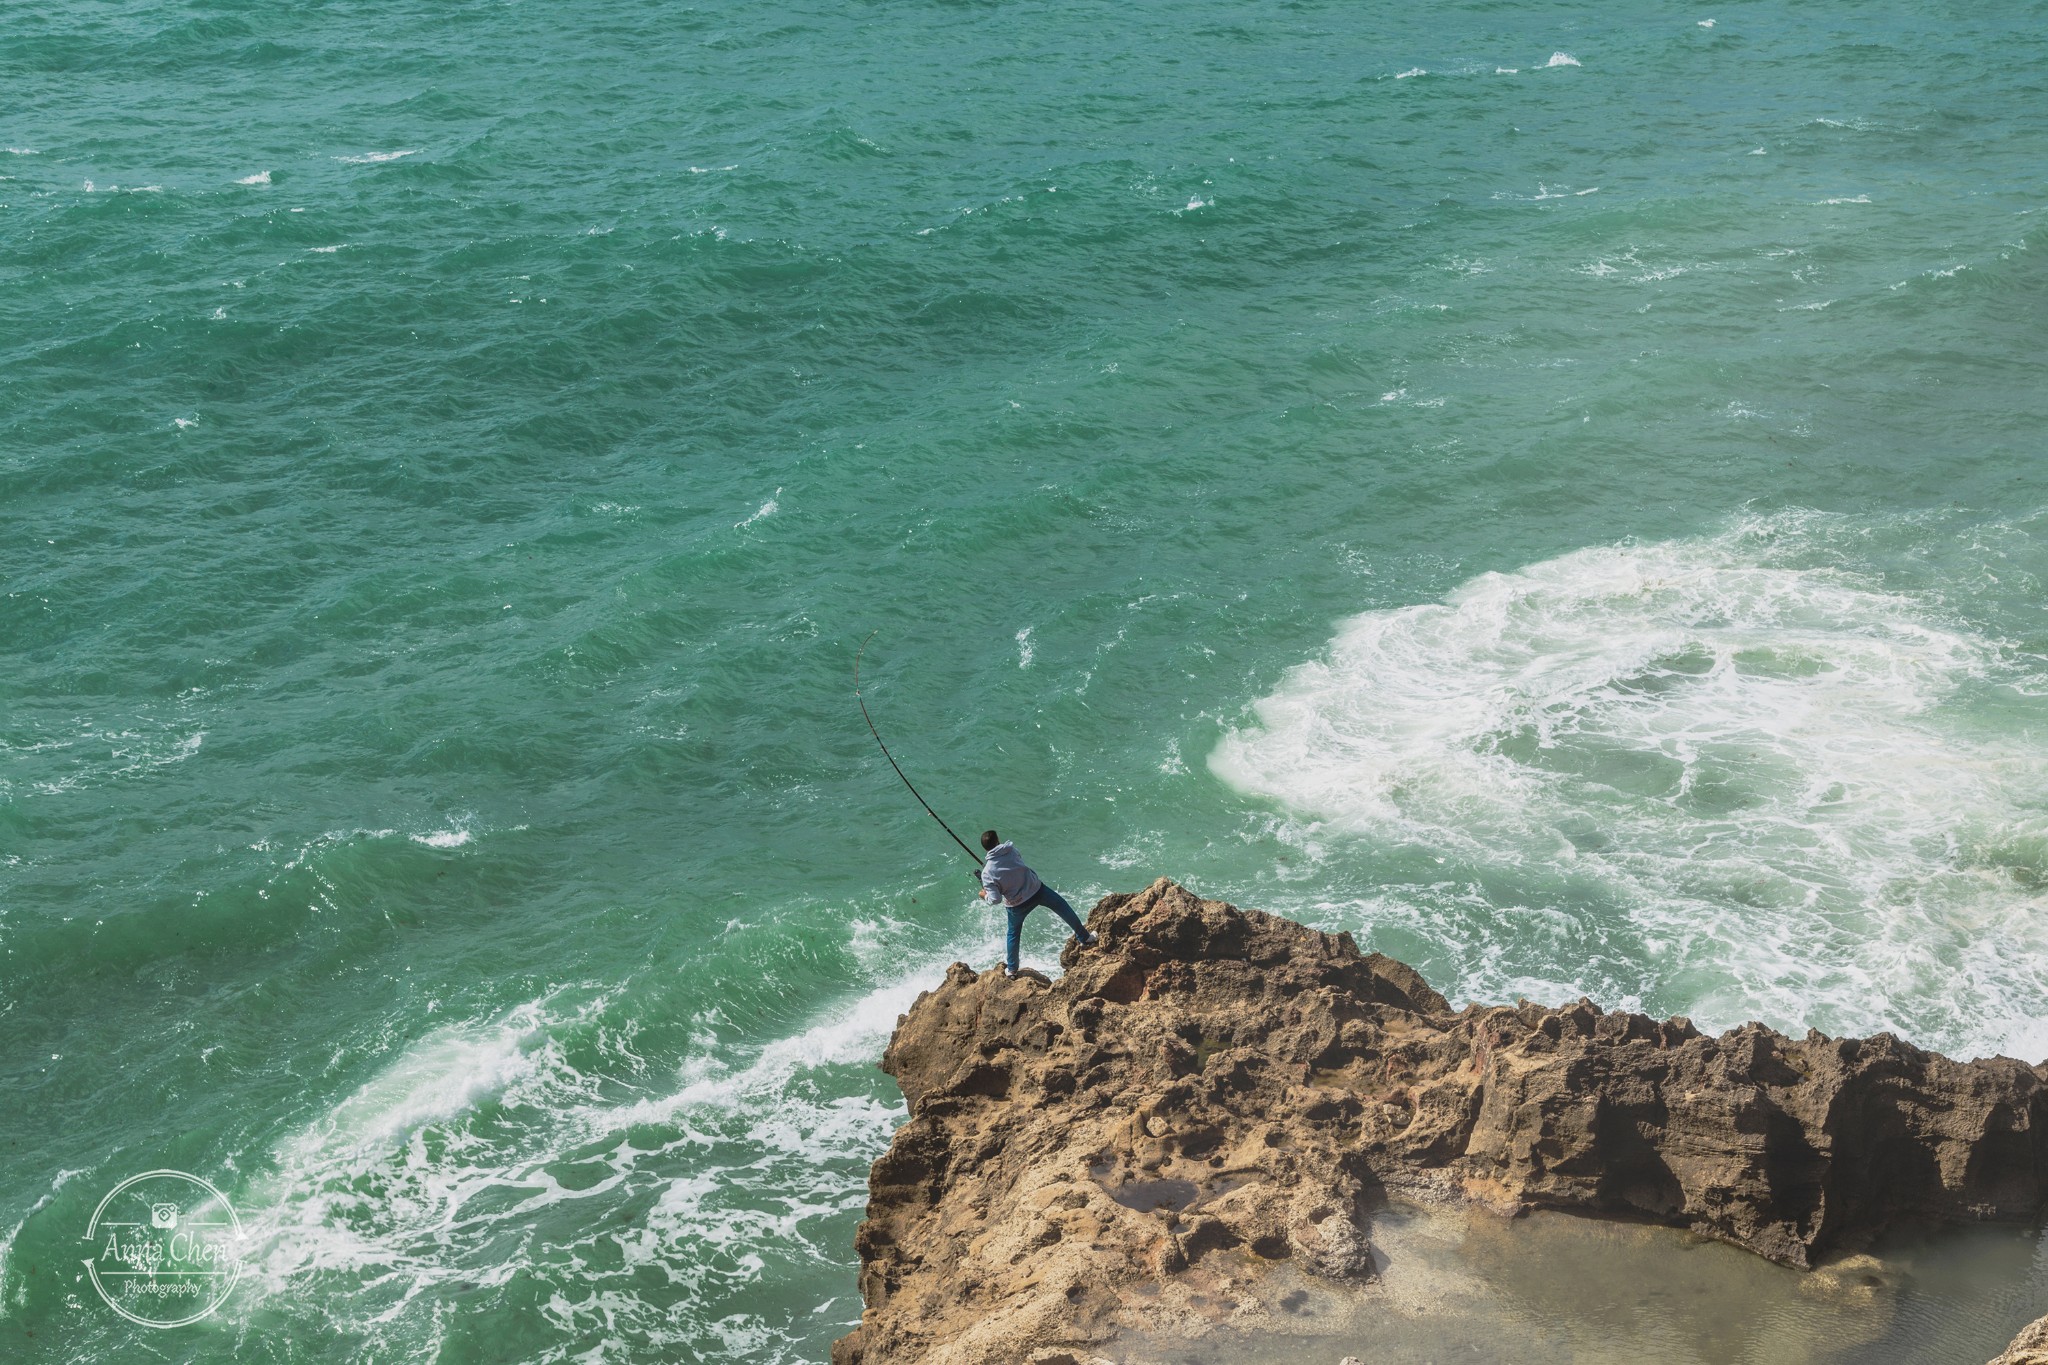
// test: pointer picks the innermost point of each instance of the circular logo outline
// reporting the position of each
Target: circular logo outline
(232, 1276)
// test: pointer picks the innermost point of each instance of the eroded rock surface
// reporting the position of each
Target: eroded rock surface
(1211, 1092)
(2030, 1347)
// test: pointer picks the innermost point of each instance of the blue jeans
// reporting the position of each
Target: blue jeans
(1051, 900)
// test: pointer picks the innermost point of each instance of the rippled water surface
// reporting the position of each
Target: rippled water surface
(1555, 490)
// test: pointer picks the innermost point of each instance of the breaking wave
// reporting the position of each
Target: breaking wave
(1733, 776)
(641, 1192)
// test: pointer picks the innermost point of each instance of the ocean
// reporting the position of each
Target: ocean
(1556, 490)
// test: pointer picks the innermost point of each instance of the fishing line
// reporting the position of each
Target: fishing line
(892, 758)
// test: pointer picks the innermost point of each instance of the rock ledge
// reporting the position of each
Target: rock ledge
(1211, 1092)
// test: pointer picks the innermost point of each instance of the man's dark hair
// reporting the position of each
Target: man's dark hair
(989, 839)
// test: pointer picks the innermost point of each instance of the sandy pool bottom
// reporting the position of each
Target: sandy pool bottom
(1458, 1288)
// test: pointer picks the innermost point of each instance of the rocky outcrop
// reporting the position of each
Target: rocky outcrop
(1211, 1092)
(2030, 1347)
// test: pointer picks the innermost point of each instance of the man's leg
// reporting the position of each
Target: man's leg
(1055, 902)
(1017, 914)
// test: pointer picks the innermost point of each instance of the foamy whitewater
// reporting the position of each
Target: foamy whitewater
(1771, 771)
(1555, 494)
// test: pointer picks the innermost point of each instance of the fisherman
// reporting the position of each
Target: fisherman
(1005, 881)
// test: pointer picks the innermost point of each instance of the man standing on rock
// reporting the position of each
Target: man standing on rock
(1005, 881)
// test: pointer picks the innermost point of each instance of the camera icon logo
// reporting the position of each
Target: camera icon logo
(165, 1248)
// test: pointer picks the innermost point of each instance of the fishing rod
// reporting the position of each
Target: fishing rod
(892, 758)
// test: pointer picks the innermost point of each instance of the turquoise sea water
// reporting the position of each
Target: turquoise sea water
(1554, 489)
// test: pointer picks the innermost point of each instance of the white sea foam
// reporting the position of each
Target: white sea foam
(1734, 763)
(1706, 23)
(1846, 199)
(851, 1033)
(1561, 59)
(433, 1176)
(97, 756)
(260, 178)
(312, 1215)
(15, 1294)
(1643, 273)
(442, 838)
(766, 509)
(877, 942)
(326, 250)
(376, 158)
(1025, 653)
(1409, 73)
(442, 1074)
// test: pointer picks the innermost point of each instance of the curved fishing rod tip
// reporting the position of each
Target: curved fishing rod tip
(856, 657)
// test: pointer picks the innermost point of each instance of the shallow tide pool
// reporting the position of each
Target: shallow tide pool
(1554, 1289)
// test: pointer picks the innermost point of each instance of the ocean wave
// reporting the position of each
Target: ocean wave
(94, 757)
(1637, 270)
(765, 510)
(541, 1142)
(1742, 744)
(13, 1293)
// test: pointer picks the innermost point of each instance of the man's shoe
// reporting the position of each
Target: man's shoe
(1090, 940)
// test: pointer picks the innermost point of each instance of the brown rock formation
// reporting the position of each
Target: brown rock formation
(1211, 1091)
(2030, 1347)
